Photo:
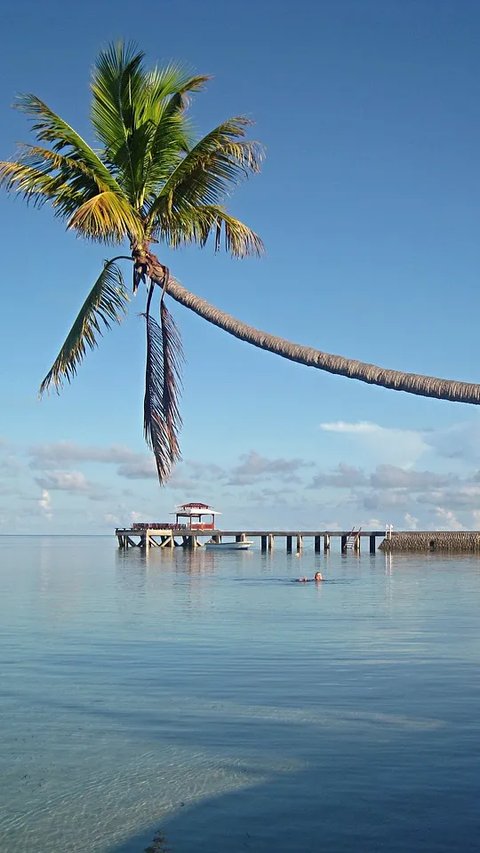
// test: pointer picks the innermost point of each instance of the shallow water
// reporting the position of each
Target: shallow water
(208, 696)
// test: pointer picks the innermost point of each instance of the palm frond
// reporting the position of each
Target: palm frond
(50, 127)
(210, 170)
(197, 224)
(168, 93)
(116, 85)
(72, 178)
(162, 420)
(42, 175)
(69, 167)
(37, 185)
(105, 304)
(106, 217)
(173, 80)
(138, 116)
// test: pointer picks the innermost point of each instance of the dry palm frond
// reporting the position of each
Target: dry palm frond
(106, 217)
(105, 304)
(162, 421)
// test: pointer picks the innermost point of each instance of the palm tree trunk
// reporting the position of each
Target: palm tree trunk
(412, 383)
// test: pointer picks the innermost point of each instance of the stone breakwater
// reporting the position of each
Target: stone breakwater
(432, 540)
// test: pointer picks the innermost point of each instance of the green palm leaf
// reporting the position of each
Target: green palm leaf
(197, 224)
(48, 126)
(207, 174)
(138, 116)
(105, 304)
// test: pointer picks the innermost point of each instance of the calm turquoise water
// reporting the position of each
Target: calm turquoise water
(209, 696)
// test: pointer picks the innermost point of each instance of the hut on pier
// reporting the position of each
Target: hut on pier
(195, 516)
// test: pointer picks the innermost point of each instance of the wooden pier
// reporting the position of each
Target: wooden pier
(171, 537)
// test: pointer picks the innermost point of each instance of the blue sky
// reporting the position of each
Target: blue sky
(368, 204)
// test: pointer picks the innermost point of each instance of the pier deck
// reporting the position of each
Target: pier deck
(169, 537)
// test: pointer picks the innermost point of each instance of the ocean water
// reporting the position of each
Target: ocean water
(208, 696)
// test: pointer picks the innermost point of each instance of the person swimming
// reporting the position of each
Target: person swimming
(317, 578)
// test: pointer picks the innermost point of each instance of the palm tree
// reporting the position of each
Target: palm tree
(150, 181)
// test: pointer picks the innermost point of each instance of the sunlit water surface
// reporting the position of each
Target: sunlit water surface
(209, 696)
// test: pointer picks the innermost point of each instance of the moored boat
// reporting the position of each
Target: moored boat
(229, 546)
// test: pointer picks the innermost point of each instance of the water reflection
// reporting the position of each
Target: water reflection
(388, 564)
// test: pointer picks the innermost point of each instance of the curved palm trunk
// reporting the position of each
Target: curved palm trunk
(411, 383)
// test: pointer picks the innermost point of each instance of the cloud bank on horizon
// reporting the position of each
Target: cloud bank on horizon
(415, 479)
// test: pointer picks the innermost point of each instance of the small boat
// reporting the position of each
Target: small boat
(229, 546)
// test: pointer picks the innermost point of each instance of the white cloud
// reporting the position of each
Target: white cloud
(386, 500)
(343, 477)
(359, 428)
(465, 497)
(460, 441)
(393, 477)
(61, 452)
(45, 504)
(448, 519)
(137, 516)
(253, 466)
(66, 481)
(203, 470)
(139, 468)
(132, 465)
(383, 444)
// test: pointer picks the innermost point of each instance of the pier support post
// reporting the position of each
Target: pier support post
(326, 542)
(264, 544)
(317, 544)
(270, 541)
(299, 543)
(372, 544)
(289, 544)
(356, 546)
(344, 543)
